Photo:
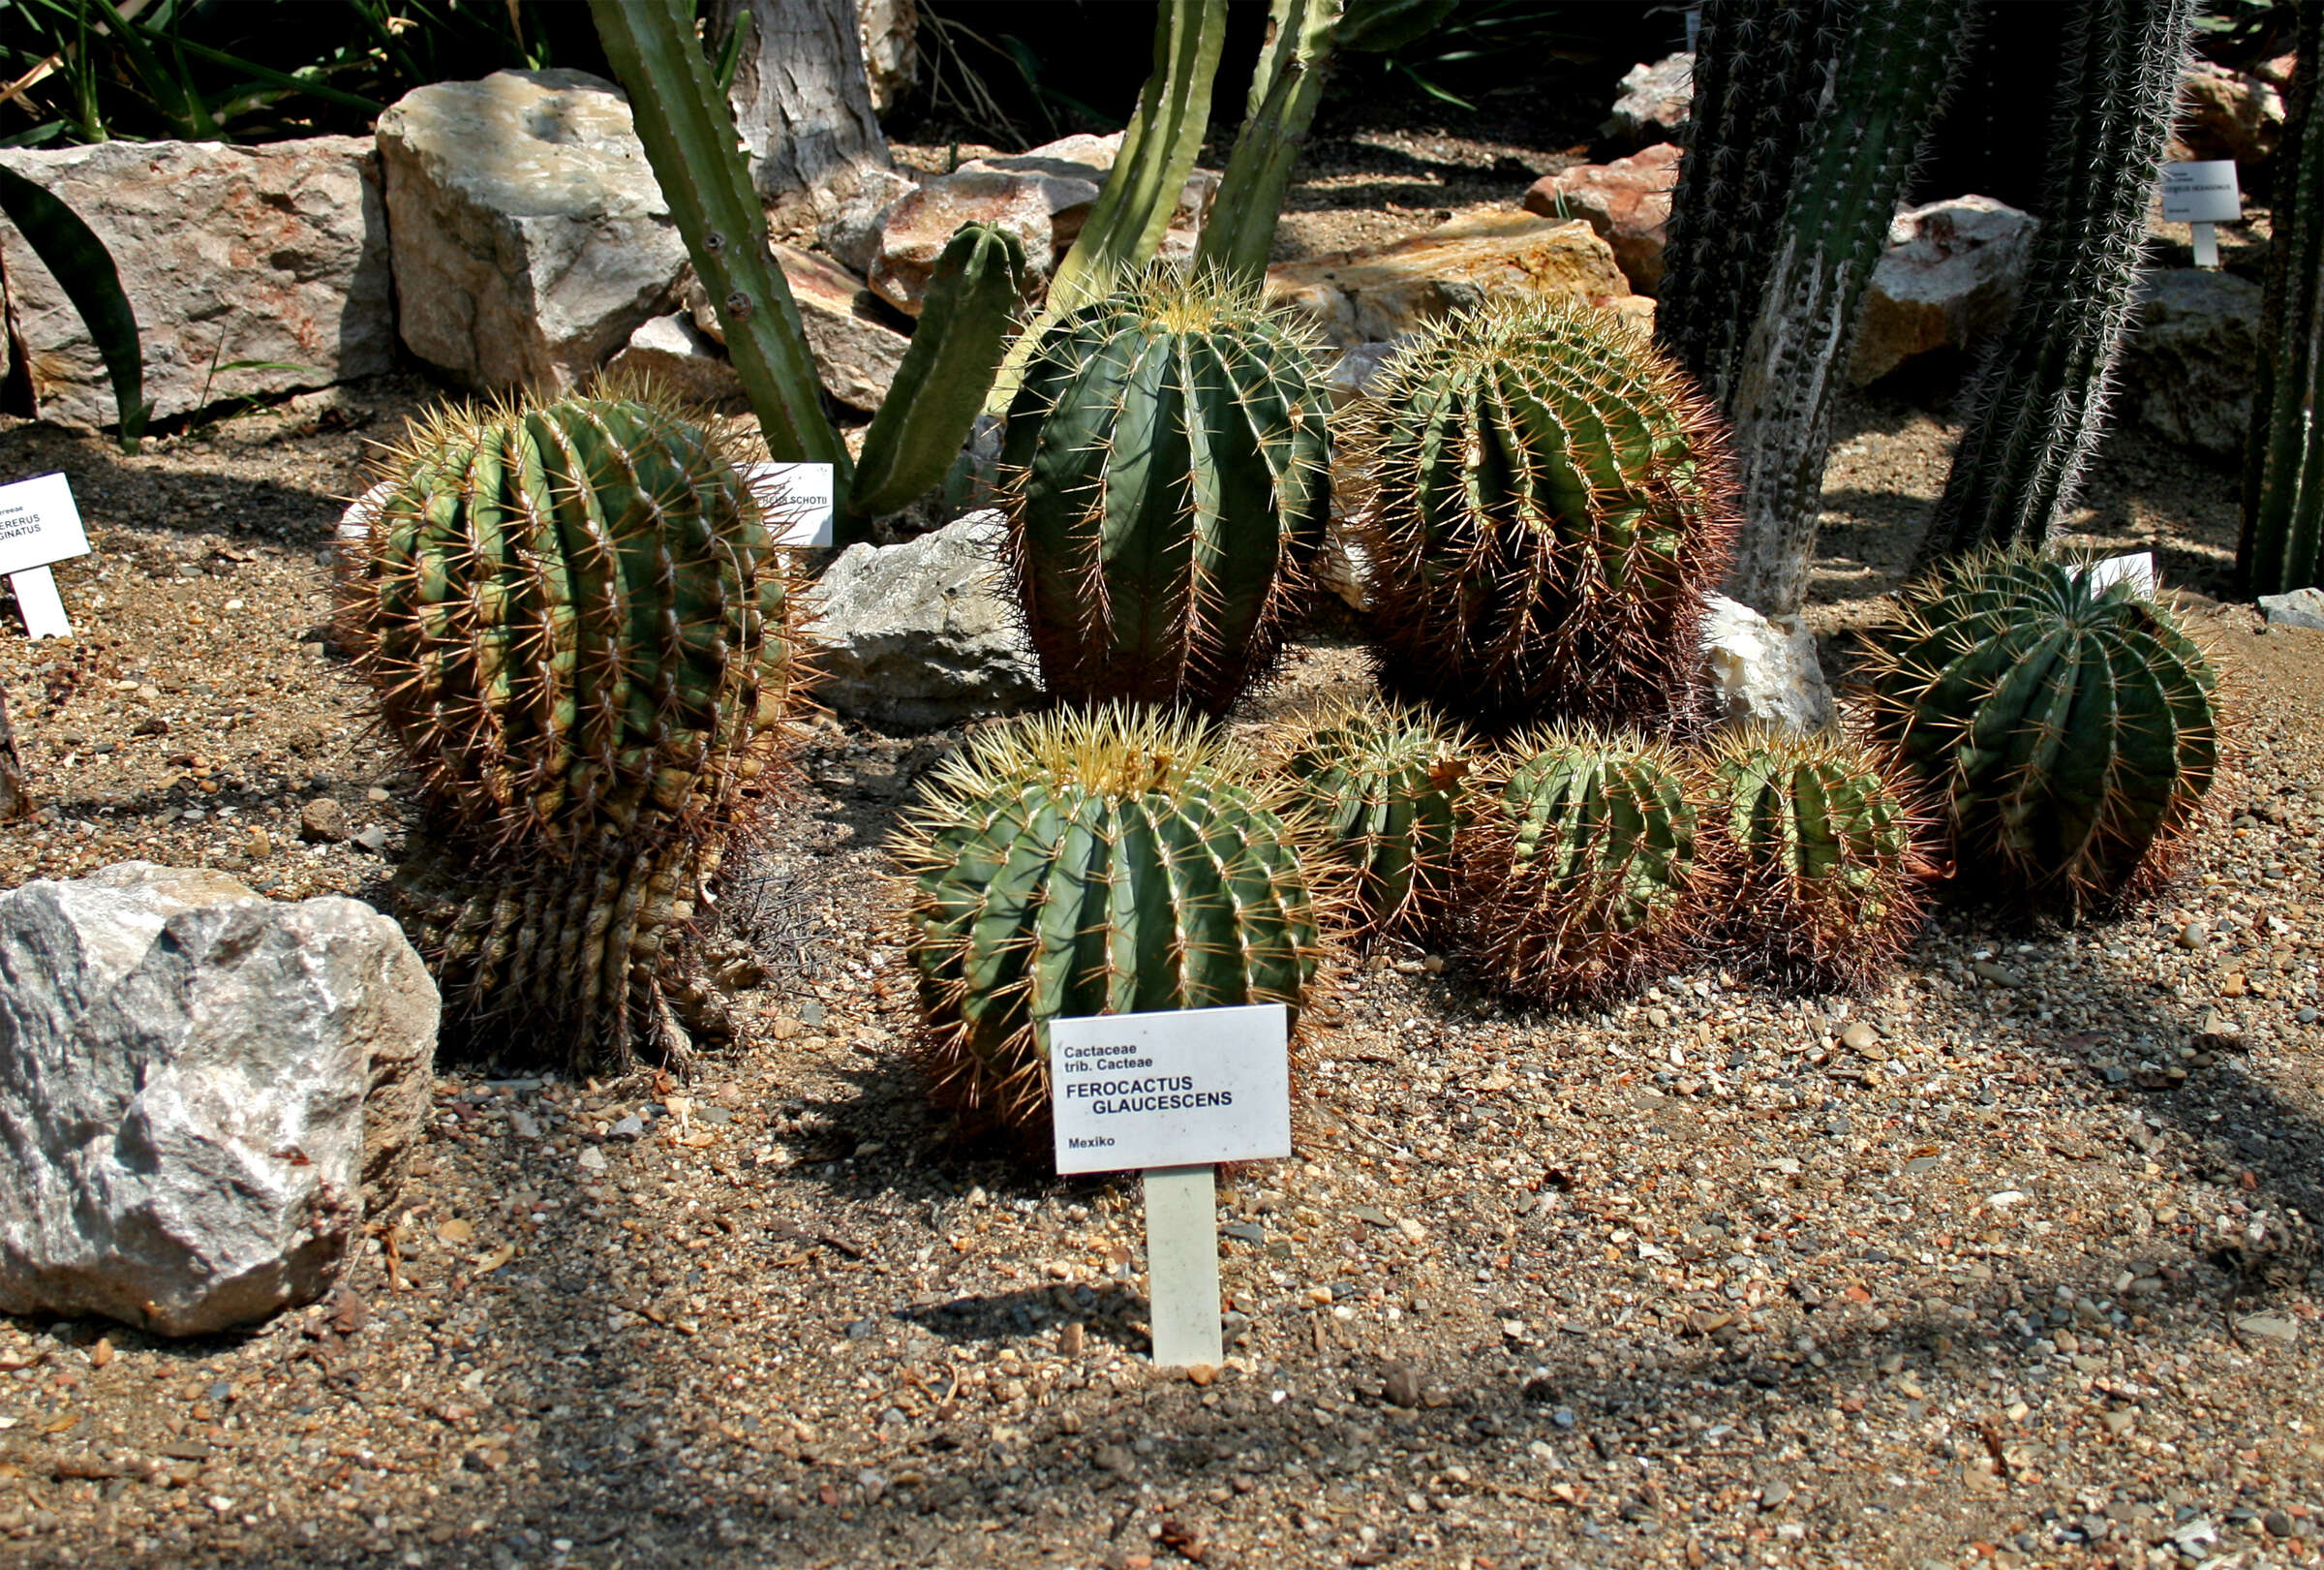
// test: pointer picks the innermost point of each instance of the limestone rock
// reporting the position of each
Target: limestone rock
(1071, 170)
(850, 231)
(890, 62)
(198, 1090)
(1627, 200)
(856, 354)
(678, 357)
(926, 633)
(1948, 278)
(1655, 102)
(2231, 115)
(1355, 298)
(530, 237)
(913, 233)
(2186, 369)
(272, 254)
(1762, 670)
(2301, 607)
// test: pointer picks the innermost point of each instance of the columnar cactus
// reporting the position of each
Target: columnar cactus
(1386, 785)
(2071, 734)
(1164, 471)
(1548, 503)
(1818, 852)
(1097, 862)
(1582, 870)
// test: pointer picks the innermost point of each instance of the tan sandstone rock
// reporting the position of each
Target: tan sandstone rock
(1627, 200)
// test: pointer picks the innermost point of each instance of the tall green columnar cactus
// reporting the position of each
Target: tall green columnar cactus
(574, 624)
(1164, 473)
(2283, 472)
(2040, 399)
(1285, 89)
(1895, 59)
(1105, 862)
(2070, 734)
(1547, 501)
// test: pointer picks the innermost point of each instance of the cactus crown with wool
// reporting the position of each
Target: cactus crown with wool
(1582, 865)
(1548, 503)
(1164, 470)
(1820, 846)
(2072, 732)
(1097, 862)
(1386, 783)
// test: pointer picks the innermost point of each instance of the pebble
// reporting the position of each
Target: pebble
(322, 821)
(1859, 1037)
(2195, 934)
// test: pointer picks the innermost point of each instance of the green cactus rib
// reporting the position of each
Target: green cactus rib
(1386, 783)
(574, 622)
(1164, 473)
(1548, 503)
(939, 389)
(2070, 735)
(2038, 402)
(1287, 86)
(1097, 862)
(2282, 546)
(1818, 852)
(1581, 865)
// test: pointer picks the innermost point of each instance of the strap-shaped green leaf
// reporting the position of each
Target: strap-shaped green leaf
(85, 270)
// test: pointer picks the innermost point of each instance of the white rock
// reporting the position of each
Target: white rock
(2301, 607)
(530, 237)
(925, 632)
(1948, 279)
(199, 1089)
(673, 355)
(1762, 670)
(273, 254)
(1655, 101)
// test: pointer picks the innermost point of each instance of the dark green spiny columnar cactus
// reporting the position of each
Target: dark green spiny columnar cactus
(1103, 862)
(1820, 857)
(2040, 400)
(1548, 501)
(1164, 473)
(2070, 735)
(1581, 868)
(1386, 785)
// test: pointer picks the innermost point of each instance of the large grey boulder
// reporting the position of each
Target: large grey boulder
(530, 237)
(2187, 364)
(1948, 278)
(926, 633)
(199, 1090)
(2301, 607)
(274, 255)
(1762, 671)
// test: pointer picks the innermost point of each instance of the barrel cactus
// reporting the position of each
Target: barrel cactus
(1582, 865)
(1821, 854)
(1386, 785)
(1547, 504)
(1164, 474)
(2070, 732)
(1100, 861)
(575, 626)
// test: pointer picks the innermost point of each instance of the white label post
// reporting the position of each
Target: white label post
(39, 525)
(1172, 1094)
(797, 500)
(2201, 194)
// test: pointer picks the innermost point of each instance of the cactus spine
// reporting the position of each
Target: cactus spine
(1164, 466)
(1548, 501)
(1102, 862)
(2282, 546)
(1386, 783)
(1818, 854)
(2039, 398)
(1581, 868)
(2070, 735)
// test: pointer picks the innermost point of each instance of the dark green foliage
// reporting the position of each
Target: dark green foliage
(1386, 785)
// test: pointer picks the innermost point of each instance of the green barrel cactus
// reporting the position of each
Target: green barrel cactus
(1106, 861)
(1819, 852)
(2070, 733)
(1582, 865)
(1164, 474)
(1386, 783)
(1548, 503)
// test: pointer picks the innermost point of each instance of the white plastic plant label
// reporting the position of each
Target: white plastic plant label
(1188, 1088)
(2137, 570)
(39, 525)
(2204, 193)
(797, 498)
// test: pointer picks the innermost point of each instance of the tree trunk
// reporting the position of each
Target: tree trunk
(15, 797)
(801, 104)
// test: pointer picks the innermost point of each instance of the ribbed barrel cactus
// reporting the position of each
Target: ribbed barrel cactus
(1386, 783)
(1582, 867)
(1164, 471)
(1102, 861)
(575, 626)
(2070, 732)
(1820, 854)
(1547, 504)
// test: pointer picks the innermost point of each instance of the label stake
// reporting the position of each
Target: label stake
(1182, 1265)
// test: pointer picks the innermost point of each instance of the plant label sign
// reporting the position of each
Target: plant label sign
(2201, 194)
(797, 498)
(39, 525)
(1172, 1094)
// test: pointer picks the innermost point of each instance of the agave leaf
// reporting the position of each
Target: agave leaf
(71, 250)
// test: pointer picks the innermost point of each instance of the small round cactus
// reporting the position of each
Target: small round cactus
(1105, 861)
(2070, 733)
(1547, 503)
(1385, 783)
(1820, 857)
(1581, 865)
